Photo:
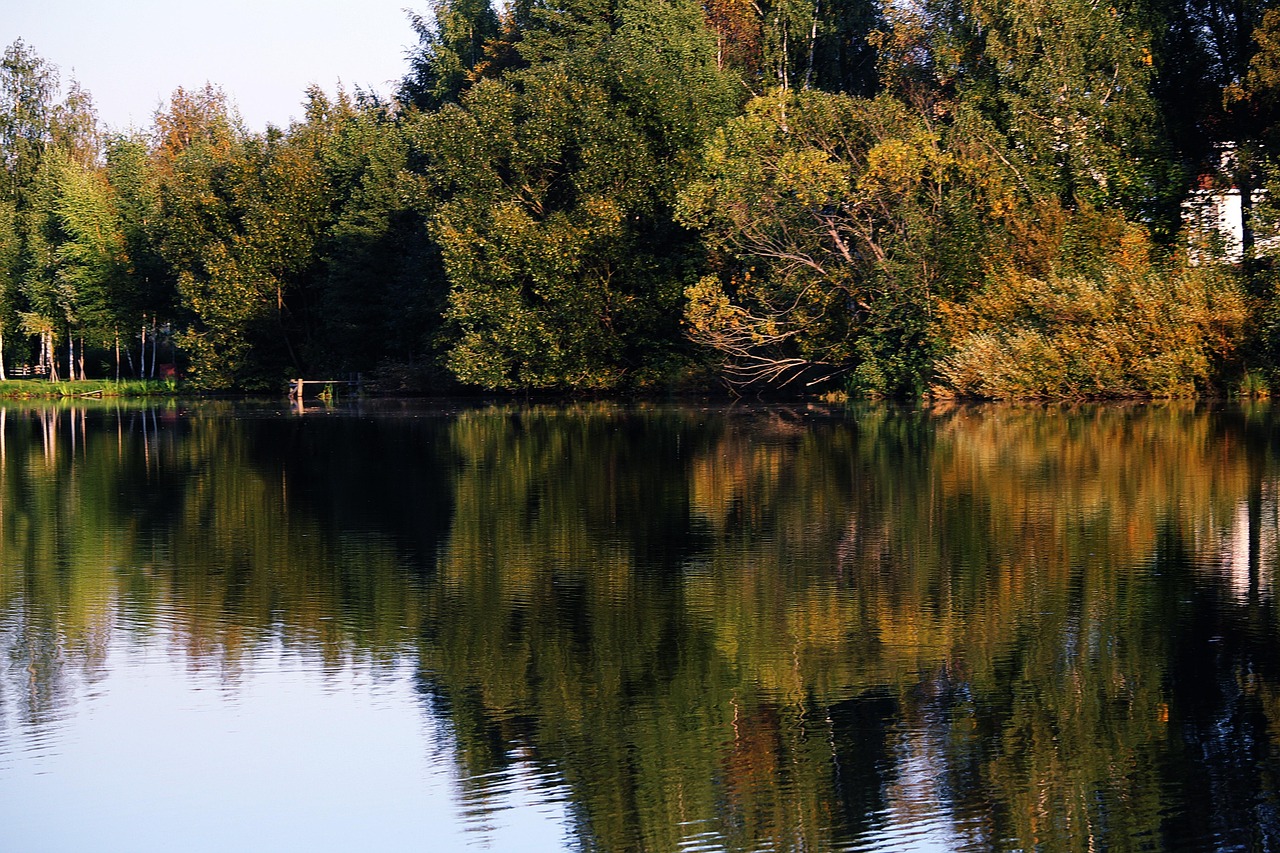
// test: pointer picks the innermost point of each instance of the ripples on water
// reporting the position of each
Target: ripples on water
(638, 628)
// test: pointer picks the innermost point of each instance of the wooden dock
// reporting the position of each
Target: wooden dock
(298, 388)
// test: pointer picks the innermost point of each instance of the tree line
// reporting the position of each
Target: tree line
(962, 197)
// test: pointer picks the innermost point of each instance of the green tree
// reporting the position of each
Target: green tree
(557, 185)
(48, 303)
(40, 133)
(242, 216)
(10, 247)
(202, 166)
(146, 295)
(288, 208)
(451, 52)
(531, 254)
(29, 88)
(384, 292)
(561, 32)
(93, 261)
(1069, 83)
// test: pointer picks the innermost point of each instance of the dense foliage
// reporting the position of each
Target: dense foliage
(973, 198)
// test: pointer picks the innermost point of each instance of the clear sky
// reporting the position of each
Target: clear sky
(131, 54)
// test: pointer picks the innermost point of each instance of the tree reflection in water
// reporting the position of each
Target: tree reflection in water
(987, 628)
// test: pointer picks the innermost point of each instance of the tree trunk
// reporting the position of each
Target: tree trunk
(117, 355)
(49, 352)
(284, 332)
(2, 376)
(784, 64)
(813, 44)
(1246, 217)
(142, 360)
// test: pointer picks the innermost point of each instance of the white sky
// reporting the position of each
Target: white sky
(132, 54)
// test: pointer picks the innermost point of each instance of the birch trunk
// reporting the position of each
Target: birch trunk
(49, 353)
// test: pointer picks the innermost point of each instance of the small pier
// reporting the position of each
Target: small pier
(298, 388)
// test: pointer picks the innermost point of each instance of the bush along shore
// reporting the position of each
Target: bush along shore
(984, 200)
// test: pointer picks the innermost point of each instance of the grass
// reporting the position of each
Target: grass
(26, 389)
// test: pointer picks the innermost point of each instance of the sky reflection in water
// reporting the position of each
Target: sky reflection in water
(284, 754)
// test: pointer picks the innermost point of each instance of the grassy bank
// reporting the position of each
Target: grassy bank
(25, 389)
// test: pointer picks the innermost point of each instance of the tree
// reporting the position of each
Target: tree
(738, 35)
(29, 89)
(800, 44)
(202, 164)
(841, 56)
(288, 208)
(841, 221)
(1068, 82)
(1202, 53)
(147, 292)
(556, 188)
(383, 292)
(49, 304)
(74, 128)
(249, 230)
(811, 44)
(451, 52)
(10, 246)
(37, 135)
(568, 33)
(92, 261)
(1127, 322)
(1250, 118)
(1256, 97)
(531, 241)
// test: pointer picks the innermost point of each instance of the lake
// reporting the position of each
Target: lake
(607, 627)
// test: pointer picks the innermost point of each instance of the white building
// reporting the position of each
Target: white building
(1214, 223)
(1214, 218)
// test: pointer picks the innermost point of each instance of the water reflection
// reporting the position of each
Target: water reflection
(646, 627)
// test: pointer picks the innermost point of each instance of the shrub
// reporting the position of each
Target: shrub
(1128, 325)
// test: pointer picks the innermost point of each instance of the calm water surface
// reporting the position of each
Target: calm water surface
(651, 628)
